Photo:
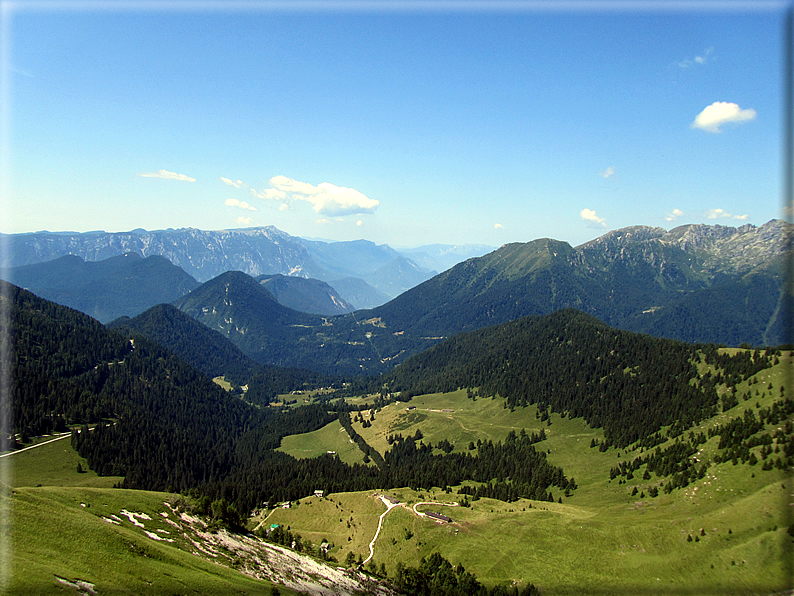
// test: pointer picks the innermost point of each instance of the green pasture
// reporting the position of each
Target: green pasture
(52, 464)
(346, 520)
(332, 437)
(59, 532)
(601, 540)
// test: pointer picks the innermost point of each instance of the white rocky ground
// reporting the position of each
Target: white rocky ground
(253, 556)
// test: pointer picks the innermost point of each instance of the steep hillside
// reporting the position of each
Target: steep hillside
(399, 275)
(306, 295)
(359, 293)
(125, 285)
(241, 309)
(639, 278)
(203, 348)
(629, 384)
(214, 355)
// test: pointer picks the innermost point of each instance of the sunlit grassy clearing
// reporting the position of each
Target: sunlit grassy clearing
(53, 464)
(332, 437)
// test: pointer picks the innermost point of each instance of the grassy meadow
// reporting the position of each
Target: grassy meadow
(723, 534)
(332, 437)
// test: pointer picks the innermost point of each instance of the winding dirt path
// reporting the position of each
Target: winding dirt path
(389, 507)
(420, 514)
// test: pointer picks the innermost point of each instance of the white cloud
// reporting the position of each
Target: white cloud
(325, 198)
(590, 216)
(498, 226)
(245, 221)
(240, 204)
(283, 207)
(722, 214)
(234, 183)
(610, 171)
(359, 223)
(674, 215)
(706, 56)
(719, 113)
(270, 193)
(165, 174)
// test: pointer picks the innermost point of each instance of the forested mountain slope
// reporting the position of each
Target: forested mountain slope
(124, 285)
(306, 295)
(242, 310)
(639, 278)
(630, 384)
(212, 354)
(160, 423)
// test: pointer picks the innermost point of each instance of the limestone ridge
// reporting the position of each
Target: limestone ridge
(256, 251)
(718, 249)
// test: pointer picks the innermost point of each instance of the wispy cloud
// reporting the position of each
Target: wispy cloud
(706, 56)
(325, 198)
(240, 204)
(722, 214)
(20, 71)
(234, 183)
(166, 175)
(498, 226)
(676, 213)
(610, 171)
(359, 223)
(245, 221)
(719, 113)
(594, 221)
(269, 193)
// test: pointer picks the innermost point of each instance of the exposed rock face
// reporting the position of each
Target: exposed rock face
(202, 254)
(206, 254)
(715, 249)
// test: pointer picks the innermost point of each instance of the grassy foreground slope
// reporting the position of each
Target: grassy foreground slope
(68, 531)
(60, 535)
(63, 527)
(725, 533)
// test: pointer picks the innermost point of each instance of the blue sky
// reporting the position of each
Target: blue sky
(399, 126)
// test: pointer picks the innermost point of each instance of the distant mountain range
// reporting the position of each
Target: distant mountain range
(255, 251)
(695, 283)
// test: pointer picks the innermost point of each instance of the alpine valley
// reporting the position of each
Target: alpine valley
(249, 412)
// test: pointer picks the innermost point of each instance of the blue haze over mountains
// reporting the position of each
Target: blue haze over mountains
(695, 283)
(363, 273)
